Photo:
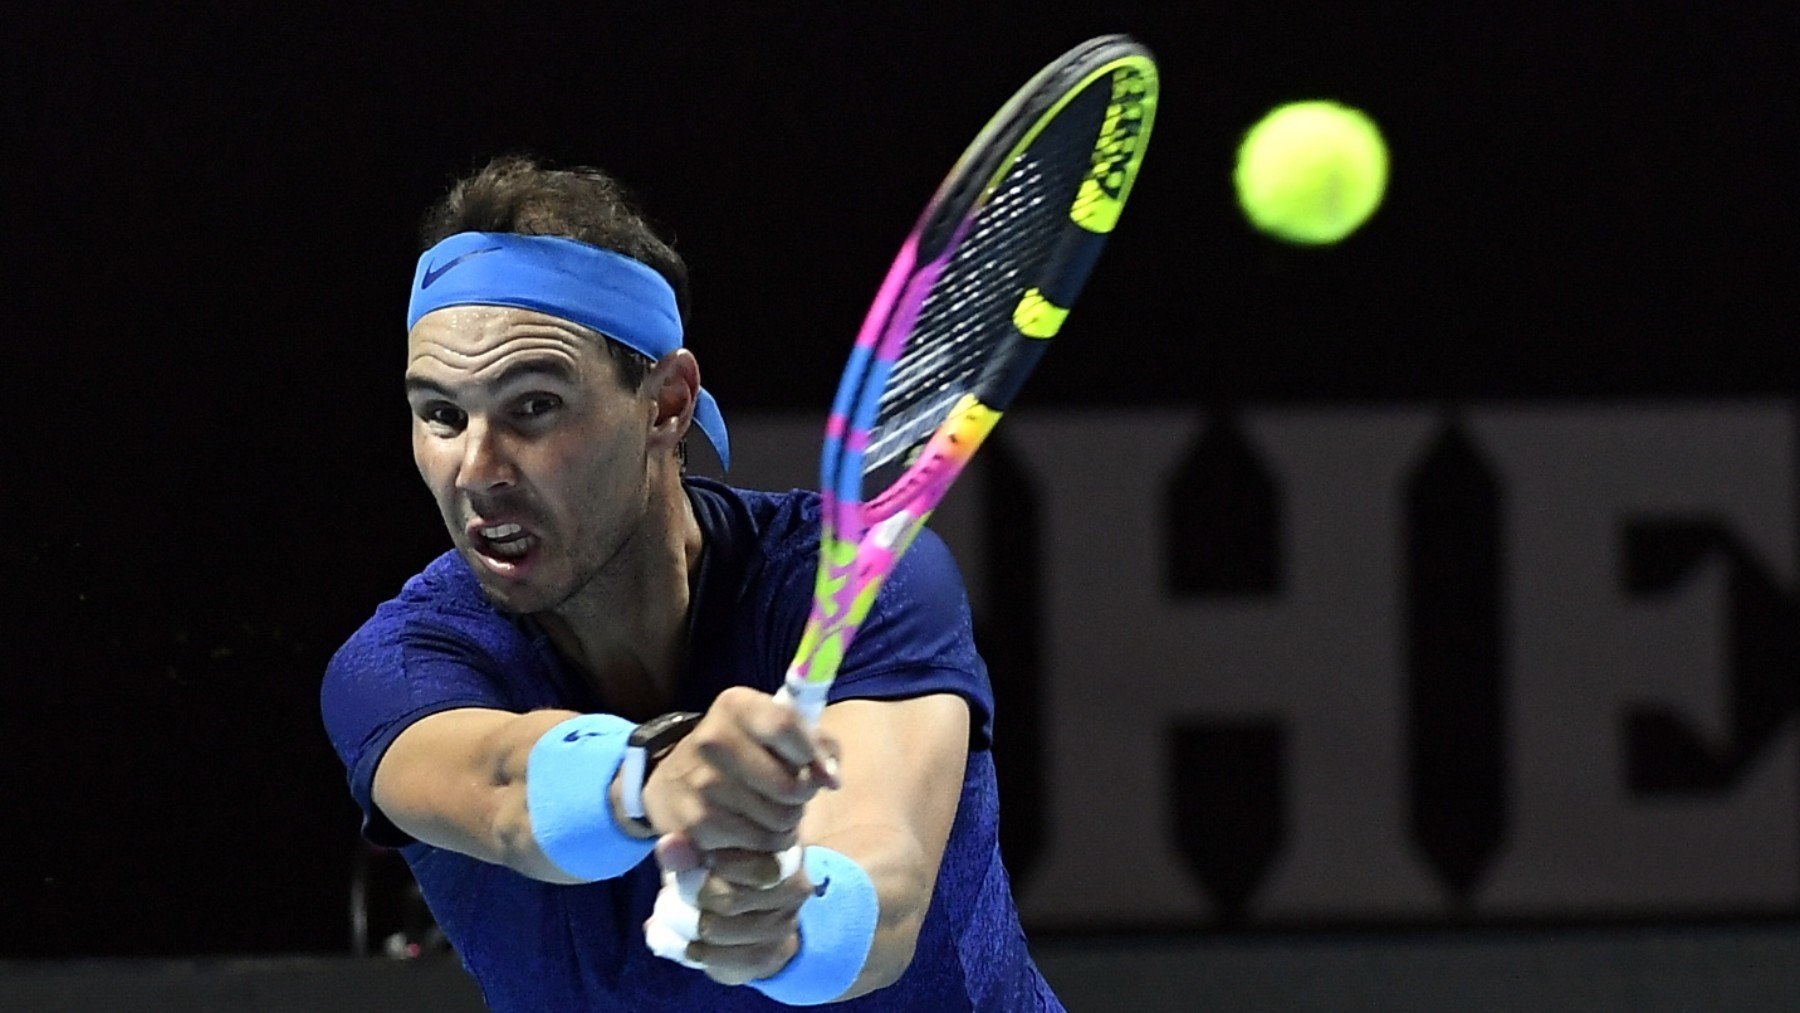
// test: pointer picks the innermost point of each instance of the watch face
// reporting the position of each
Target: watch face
(664, 730)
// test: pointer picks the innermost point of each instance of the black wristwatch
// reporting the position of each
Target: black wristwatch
(649, 743)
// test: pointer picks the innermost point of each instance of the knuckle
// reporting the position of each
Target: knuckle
(795, 891)
(707, 835)
(717, 897)
(768, 870)
(783, 789)
(735, 698)
(767, 956)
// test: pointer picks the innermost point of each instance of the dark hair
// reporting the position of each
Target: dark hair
(514, 193)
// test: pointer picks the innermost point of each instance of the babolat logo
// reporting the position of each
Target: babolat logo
(1116, 152)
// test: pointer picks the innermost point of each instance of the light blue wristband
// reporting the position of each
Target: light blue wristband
(837, 927)
(567, 778)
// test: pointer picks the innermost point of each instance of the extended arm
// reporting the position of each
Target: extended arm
(495, 786)
(456, 780)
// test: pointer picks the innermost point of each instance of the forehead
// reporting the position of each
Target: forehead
(476, 343)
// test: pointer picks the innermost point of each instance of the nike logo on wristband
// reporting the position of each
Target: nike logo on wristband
(433, 272)
(824, 885)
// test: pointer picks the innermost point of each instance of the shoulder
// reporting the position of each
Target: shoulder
(766, 535)
(759, 514)
(774, 537)
(444, 595)
(440, 620)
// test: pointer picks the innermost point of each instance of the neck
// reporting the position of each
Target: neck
(626, 629)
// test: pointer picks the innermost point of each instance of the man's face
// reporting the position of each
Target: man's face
(534, 451)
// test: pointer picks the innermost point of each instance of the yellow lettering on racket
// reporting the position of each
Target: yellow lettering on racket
(1118, 151)
(1037, 317)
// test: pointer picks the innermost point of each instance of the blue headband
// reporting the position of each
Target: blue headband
(605, 291)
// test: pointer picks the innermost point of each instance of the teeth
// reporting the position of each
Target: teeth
(511, 550)
(501, 531)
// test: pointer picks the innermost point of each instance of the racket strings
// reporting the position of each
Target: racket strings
(964, 331)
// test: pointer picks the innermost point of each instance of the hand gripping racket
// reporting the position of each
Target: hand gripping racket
(980, 286)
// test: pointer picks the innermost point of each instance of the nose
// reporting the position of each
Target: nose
(487, 465)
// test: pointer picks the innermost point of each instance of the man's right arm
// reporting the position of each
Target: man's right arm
(456, 780)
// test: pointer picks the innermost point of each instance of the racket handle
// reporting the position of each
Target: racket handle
(806, 698)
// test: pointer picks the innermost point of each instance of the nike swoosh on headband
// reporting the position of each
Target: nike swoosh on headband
(433, 273)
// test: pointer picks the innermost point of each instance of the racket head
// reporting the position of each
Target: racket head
(980, 286)
(998, 257)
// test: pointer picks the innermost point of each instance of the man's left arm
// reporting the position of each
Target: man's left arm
(902, 772)
(900, 764)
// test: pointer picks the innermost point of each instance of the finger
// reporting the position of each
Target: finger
(748, 929)
(729, 830)
(665, 943)
(757, 870)
(722, 790)
(778, 728)
(735, 965)
(749, 762)
(676, 912)
(676, 853)
(722, 897)
(782, 732)
(823, 771)
(685, 885)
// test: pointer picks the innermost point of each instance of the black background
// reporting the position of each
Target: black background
(211, 215)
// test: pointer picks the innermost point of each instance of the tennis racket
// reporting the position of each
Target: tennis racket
(981, 285)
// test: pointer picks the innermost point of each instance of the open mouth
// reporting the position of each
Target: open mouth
(505, 547)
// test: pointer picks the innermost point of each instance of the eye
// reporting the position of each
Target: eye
(445, 417)
(533, 406)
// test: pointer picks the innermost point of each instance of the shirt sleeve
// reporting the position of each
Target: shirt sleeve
(395, 670)
(918, 639)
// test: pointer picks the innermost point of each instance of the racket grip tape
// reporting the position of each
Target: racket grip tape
(806, 698)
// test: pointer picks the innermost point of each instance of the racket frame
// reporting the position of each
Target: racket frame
(860, 542)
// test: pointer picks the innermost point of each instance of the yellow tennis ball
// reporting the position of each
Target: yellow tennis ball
(1311, 172)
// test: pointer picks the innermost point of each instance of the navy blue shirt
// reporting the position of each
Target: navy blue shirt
(532, 945)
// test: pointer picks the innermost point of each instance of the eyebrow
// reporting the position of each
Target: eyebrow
(549, 369)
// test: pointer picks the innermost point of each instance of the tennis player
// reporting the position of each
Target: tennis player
(589, 671)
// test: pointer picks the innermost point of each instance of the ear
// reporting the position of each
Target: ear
(673, 386)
